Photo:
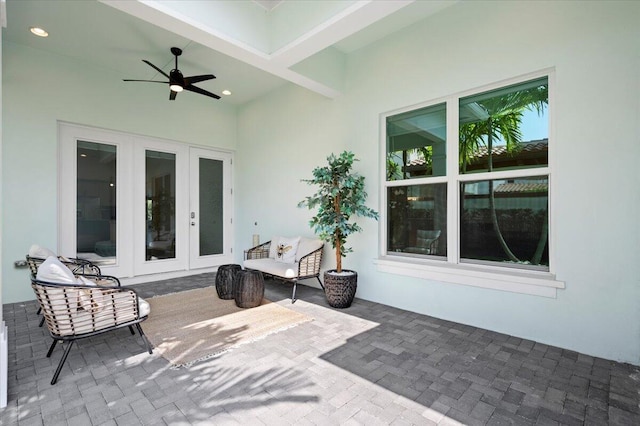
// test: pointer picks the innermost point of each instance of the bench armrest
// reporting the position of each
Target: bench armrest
(309, 265)
(261, 251)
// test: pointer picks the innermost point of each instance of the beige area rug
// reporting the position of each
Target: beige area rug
(194, 325)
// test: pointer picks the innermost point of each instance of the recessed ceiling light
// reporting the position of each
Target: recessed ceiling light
(39, 32)
(226, 92)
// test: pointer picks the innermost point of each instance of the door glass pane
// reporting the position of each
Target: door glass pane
(211, 208)
(96, 202)
(160, 181)
(417, 220)
(506, 221)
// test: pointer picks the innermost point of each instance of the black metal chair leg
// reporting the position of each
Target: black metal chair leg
(321, 285)
(39, 310)
(131, 330)
(53, 345)
(62, 361)
(41, 322)
(144, 338)
(293, 295)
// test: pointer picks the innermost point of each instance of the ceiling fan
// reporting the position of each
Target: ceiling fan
(177, 82)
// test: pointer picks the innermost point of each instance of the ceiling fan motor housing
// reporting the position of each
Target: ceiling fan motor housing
(176, 77)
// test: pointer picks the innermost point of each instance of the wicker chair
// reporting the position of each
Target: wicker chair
(257, 258)
(74, 311)
(77, 266)
(426, 242)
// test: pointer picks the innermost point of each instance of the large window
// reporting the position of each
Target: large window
(481, 197)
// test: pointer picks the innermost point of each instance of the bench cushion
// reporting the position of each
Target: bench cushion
(270, 266)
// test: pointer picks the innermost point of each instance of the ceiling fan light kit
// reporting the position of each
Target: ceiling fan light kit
(177, 82)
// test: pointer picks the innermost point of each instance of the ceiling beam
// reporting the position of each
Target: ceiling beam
(353, 19)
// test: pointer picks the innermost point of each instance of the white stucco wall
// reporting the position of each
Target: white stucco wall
(39, 89)
(594, 48)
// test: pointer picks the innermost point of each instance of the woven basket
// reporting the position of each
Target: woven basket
(340, 289)
(224, 280)
(248, 288)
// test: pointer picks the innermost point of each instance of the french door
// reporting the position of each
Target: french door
(137, 205)
(209, 220)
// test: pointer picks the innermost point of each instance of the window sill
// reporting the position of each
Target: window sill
(525, 282)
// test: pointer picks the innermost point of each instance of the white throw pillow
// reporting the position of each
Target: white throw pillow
(307, 245)
(286, 249)
(40, 252)
(273, 247)
(54, 271)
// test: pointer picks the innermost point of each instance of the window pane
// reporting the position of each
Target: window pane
(505, 221)
(416, 143)
(96, 202)
(505, 129)
(160, 178)
(211, 207)
(417, 219)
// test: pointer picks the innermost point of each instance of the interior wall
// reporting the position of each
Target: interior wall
(40, 89)
(594, 48)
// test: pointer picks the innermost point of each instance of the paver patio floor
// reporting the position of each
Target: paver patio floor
(370, 364)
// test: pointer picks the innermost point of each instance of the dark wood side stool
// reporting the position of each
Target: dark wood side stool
(224, 280)
(248, 288)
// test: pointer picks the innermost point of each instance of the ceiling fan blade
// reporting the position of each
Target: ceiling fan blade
(198, 78)
(172, 95)
(156, 68)
(147, 81)
(195, 89)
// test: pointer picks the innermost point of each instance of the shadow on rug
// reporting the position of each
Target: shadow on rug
(193, 325)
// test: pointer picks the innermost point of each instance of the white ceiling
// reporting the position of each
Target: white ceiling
(116, 35)
(268, 4)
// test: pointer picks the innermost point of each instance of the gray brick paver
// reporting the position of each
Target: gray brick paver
(337, 369)
(32, 421)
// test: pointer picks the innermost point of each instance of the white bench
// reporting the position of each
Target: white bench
(308, 256)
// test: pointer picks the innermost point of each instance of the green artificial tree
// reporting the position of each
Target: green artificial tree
(340, 198)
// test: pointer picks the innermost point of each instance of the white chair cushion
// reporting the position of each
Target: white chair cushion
(92, 300)
(40, 252)
(269, 266)
(287, 249)
(145, 308)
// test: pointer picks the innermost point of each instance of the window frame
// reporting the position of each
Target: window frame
(452, 269)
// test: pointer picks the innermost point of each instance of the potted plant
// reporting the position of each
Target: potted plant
(340, 198)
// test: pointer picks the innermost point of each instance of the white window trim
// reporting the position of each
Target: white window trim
(451, 269)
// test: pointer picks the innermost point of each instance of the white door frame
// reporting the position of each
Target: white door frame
(130, 209)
